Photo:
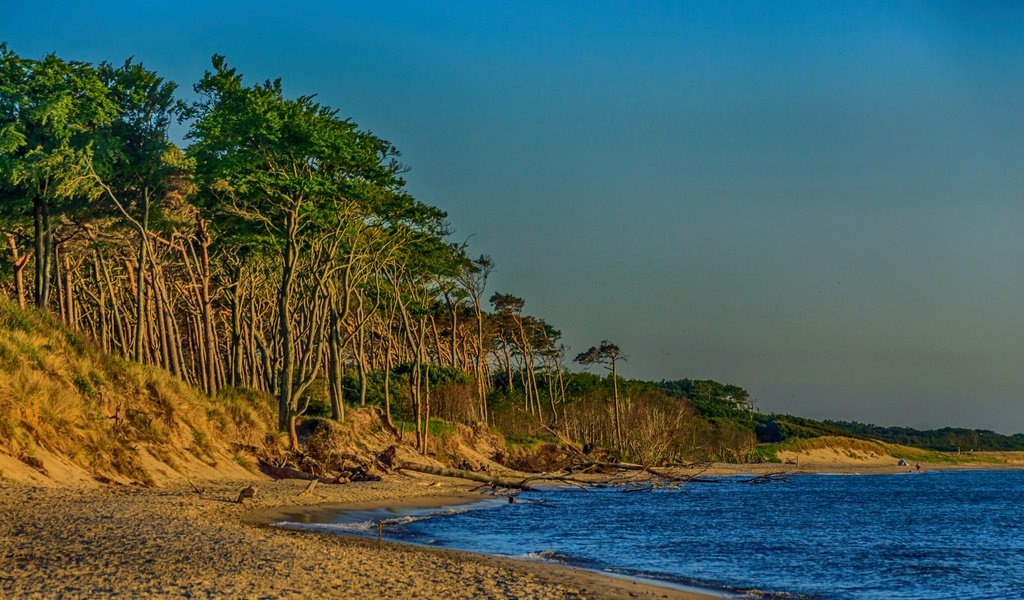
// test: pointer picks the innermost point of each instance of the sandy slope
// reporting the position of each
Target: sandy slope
(135, 542)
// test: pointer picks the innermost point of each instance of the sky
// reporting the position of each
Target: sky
(820, 202)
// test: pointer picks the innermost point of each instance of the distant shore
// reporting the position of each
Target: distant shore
(174, 542)
(844, 468)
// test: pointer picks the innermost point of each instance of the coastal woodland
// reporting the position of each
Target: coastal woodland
(274, 247)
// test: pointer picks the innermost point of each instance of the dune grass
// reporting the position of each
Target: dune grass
(60, 393)
(861, 449)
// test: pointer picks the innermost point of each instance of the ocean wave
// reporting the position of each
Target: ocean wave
(371, 524)
(357, 526)
(552, 556)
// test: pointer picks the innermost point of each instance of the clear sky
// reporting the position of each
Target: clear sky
(818, 201)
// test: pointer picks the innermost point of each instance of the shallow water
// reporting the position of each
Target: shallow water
(942, 534)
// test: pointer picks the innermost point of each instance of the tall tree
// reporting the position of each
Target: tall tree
(607, 354)
(50, 110)
(473, 278)
(135, 162)
(279, 164)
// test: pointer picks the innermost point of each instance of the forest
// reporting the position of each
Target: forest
(277, 248)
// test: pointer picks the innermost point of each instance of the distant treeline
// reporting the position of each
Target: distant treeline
(730, 405)
(947, 439)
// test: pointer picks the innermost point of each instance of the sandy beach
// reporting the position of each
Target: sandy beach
(173, 542)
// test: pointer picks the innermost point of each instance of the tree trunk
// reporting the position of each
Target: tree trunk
(237, 354)
(387, 384)
(18, 265)
(209, 339)
(615, 394)
(41, 222)
(334, 360)
(140, 286)
(286, 408)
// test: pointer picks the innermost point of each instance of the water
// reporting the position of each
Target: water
(942, 534)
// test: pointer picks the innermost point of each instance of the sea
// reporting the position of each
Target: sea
(931, 535)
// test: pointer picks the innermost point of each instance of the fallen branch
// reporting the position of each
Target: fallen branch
(695, 478)
(460, 474)
(196, 489)
(309, 488)
(768, 478)
(559, 478)
(285, 472)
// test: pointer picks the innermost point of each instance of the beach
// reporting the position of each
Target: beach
(173, 542)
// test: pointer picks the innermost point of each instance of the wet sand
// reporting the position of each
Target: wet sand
(173, 542)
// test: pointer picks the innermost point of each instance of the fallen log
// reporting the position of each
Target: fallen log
(695, 478)
(195, 488)
(285, 472)
(469, 475)
(309, 488)
(768, 478)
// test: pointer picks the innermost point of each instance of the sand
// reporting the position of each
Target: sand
(172, 542)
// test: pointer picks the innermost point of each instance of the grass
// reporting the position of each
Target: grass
(60, 393)
(522, 439)
(860, 449)
(437, 428)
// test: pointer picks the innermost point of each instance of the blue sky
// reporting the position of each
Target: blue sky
(821, 202)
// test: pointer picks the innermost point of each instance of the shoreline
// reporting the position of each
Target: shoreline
(423, 505)
(170, 541)
(138, 542)
(852, 467)
(594, 579)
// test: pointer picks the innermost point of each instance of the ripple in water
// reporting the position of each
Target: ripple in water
(949, 534)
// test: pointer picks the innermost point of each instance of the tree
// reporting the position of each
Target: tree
(607, 354)
(134, 163)
(281, 166)
(50, 110)
(473, 277)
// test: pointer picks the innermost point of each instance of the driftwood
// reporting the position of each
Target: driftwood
(285, 472)
(659, 473)
(195, 488)
(247, 494)
(768, 478)
(469, 475)
(309, 488)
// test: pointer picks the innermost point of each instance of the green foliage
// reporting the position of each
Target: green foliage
(947, 439)
(50, 110)
(781, 428)
(437, 428)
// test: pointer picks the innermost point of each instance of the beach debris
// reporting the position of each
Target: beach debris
(386, 459)
(195, 488)
(459, 474)
(660, 473)
(247, 493)
(767, 478)
(308, 470)
(284, 471)
(309, 488)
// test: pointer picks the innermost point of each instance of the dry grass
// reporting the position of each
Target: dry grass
(856, 448)
(60, 393)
